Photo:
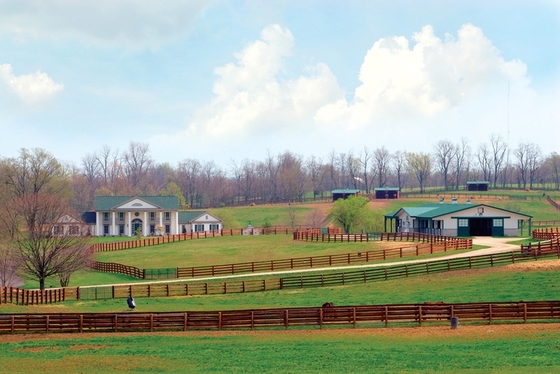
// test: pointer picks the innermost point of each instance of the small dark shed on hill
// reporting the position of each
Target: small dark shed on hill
(344, 194)
(477, 186)
(387, 192)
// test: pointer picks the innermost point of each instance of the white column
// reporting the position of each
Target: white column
(128, 224)
(160, 218)
(177, 223)
(98, 223)
(113, 231)
(145, 225)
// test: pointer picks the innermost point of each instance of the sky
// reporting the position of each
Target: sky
(227, 81)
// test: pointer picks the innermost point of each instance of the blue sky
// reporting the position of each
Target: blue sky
(233, 80)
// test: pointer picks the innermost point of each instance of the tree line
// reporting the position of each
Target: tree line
(288, 176)
(38, 192)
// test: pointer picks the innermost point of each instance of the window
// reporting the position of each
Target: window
(463, 222)
(121, 229)
(167, 216)
(152, 229)
(498, 222)
(152, 216)
(198, 227)
(106, 229)
(74, 230)
(214, 227)
(105, 216)
(121, 216)
(168, 229)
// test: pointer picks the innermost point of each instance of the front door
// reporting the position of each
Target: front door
(136, 225)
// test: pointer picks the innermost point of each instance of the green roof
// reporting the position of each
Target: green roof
(437, 210)
(187, 216)
(111, 202)
(345, 191)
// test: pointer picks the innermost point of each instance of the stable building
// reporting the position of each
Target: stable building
(344, 193)
(477, 185)
(458, 220)
(387, 192)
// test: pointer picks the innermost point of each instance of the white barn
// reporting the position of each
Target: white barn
(458, 220)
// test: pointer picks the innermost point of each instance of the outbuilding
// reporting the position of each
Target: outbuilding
(344, 193)
(477, 185)
(387, 192)
(458, 220)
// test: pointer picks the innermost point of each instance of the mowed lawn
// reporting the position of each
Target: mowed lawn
(477, 349)
(505, 283)
(232, 249)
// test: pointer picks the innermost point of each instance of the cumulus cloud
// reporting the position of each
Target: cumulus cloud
(132, 22)
(30, 88)
(251, 91)
(427, 78)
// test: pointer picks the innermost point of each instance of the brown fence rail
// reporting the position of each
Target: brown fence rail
(31, 297)
(546, 234)
(436, 245)
(163, 239)
(551, 246)
(552, 202)
(349, 316)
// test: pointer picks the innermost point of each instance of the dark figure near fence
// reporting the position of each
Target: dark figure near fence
(328, 312)
(130, 302)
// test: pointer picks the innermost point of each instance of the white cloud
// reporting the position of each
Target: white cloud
(30, 88)
(251, 92)
(132, 22)
(431, 77)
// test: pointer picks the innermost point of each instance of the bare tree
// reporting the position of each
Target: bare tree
(9, 264)
(419, 164)
(499, 149)
(484, 161)
(49, 240)
(365, 158)
(444, 153)
(461, 155)
(315, 218)
(399, 162)
(382, 159)
(33, 172)
(137, 163)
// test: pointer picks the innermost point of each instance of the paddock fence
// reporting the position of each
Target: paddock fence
(327, 279)
(164, 239)
(436, 244)
(546, 234)
(551, 246)
(319, 317)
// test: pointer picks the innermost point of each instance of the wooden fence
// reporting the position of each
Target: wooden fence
(163, 239)
(546, 223)
(292, 282)
(551, 246)
(436, 245)
(347, 316)
(546, 234)
(552, 202)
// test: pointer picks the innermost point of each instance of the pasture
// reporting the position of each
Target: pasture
(471, 348)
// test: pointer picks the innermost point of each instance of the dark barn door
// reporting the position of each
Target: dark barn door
(481, 226)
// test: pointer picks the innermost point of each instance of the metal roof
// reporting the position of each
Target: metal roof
(111, 202)
(429, 211)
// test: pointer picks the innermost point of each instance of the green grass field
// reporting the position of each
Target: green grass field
(469, 349)
(360, 351)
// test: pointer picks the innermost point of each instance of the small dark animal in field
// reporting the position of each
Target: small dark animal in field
(328, 305)
(131, 303)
